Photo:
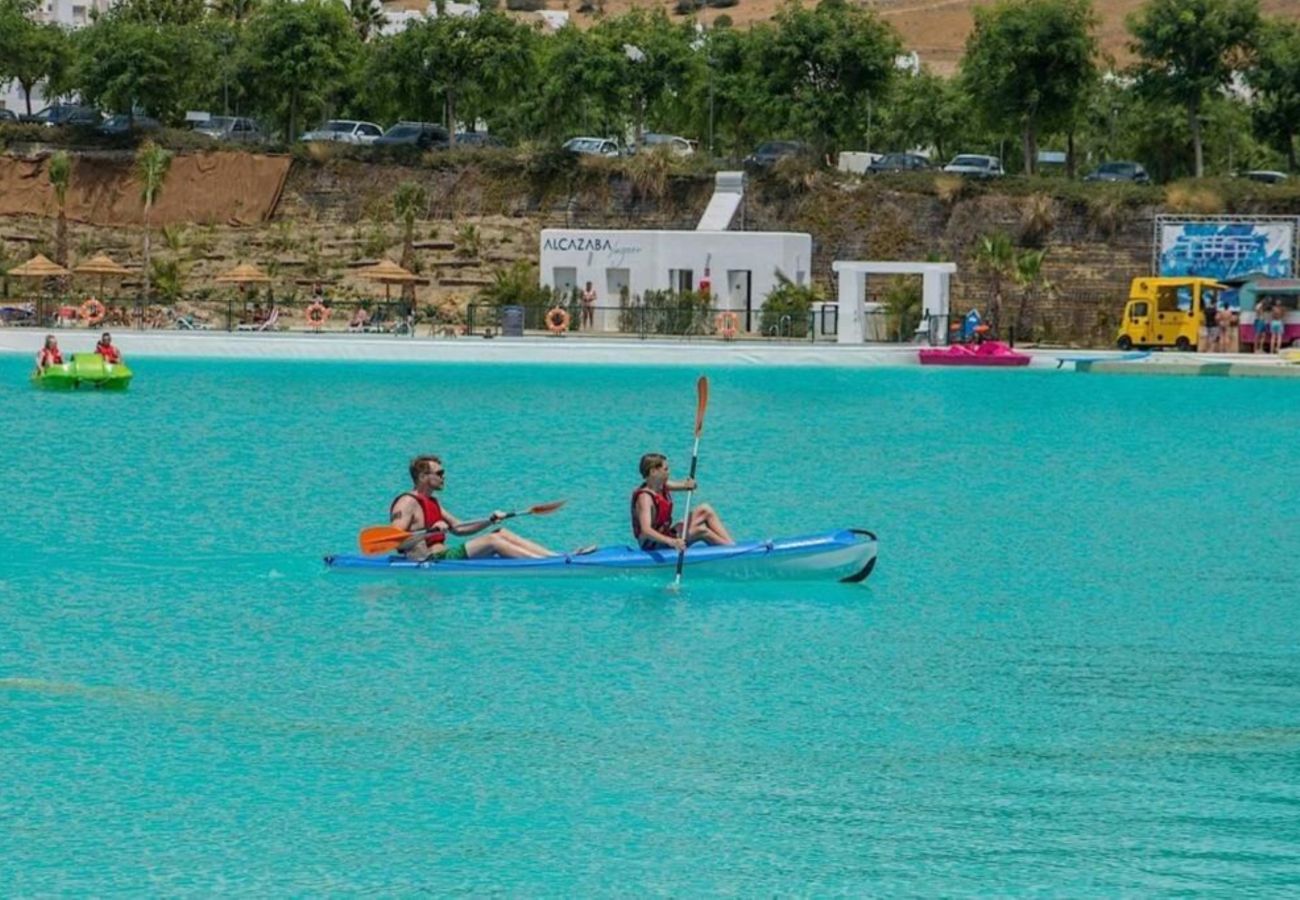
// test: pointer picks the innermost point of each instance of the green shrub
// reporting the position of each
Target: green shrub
(789, 299)
(517, 285)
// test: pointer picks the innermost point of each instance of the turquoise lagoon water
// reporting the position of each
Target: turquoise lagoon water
(1075, 670)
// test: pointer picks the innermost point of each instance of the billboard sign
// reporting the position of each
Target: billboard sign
(1227, 249)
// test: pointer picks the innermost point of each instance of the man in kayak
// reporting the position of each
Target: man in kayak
(106, 349)
(418, 509)
(652, 511)
(49, 355)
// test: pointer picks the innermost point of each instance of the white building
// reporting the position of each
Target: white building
(739, 268)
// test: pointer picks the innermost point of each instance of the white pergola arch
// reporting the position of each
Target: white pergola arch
(851, 291)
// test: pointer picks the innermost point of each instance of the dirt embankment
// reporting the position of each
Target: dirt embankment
(483, 216)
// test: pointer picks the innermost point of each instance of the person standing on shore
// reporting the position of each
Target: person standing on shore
(588, 300)
(1262, 319)
(1276, 325)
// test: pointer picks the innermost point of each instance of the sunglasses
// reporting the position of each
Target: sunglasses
(438, 472)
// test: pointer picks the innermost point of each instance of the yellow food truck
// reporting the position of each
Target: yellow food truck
(1167, 312)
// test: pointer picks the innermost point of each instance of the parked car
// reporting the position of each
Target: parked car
(975, 165)
(677, 146)
(768, 153)
(66, 114)
(345, 131)
(425, 135)
(899, 162)
(7, 115)
(478, 139)
(1265, 176)
(122, 124)
(593, 146)
(1119, 171)
(235, 129)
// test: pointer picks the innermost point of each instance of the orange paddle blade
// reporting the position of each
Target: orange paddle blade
(542, 509)
(379, 538)
(702, 389)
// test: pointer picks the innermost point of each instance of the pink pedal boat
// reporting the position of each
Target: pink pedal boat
(989, 353)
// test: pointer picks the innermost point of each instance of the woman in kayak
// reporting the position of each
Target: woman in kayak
(652, 511)
(49, 355)
(106, 349)
(417, 509)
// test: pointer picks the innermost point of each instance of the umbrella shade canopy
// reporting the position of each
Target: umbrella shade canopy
(387, 272)
(245, 273)
(38, 267)
(102, 265)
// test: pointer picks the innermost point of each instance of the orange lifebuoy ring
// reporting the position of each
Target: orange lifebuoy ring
(557, 320)
(317, 313)
(727, 323)
(92, 311)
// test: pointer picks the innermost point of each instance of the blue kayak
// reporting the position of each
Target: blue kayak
(847, 555)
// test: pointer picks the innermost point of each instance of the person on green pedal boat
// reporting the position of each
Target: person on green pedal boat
(49, 355)
(106, 349)
(652, 511)
(418, 509)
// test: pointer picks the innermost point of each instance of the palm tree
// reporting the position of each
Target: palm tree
(59, 171)
(367, 17)
(409, 200)
(151, 165)
(995, 258)
(1028, 275)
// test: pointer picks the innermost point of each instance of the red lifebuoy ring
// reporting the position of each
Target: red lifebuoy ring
(557, 320)
(92, 311)
(727, 323)
(317, 313)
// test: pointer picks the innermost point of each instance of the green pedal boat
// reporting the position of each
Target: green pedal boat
(85, 370)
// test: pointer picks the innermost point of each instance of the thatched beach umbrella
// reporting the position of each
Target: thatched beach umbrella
(388, 273)
(244, 274)
(39, 266)
(104, 266)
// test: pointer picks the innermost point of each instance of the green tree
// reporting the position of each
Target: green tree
(653, 64)
(822, 66)
(1027, 65)
(297, 58)
(31, 54)
(59, 171)
(465, 66)
(926, 110)
(1276, 78)
(578, 88)
(151, 165)
(1190, 48)
(124, 65)
(409, 200)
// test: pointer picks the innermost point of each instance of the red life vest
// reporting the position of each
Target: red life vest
(432, 513)
(48, 357)
(109, 352)
(661, 520)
